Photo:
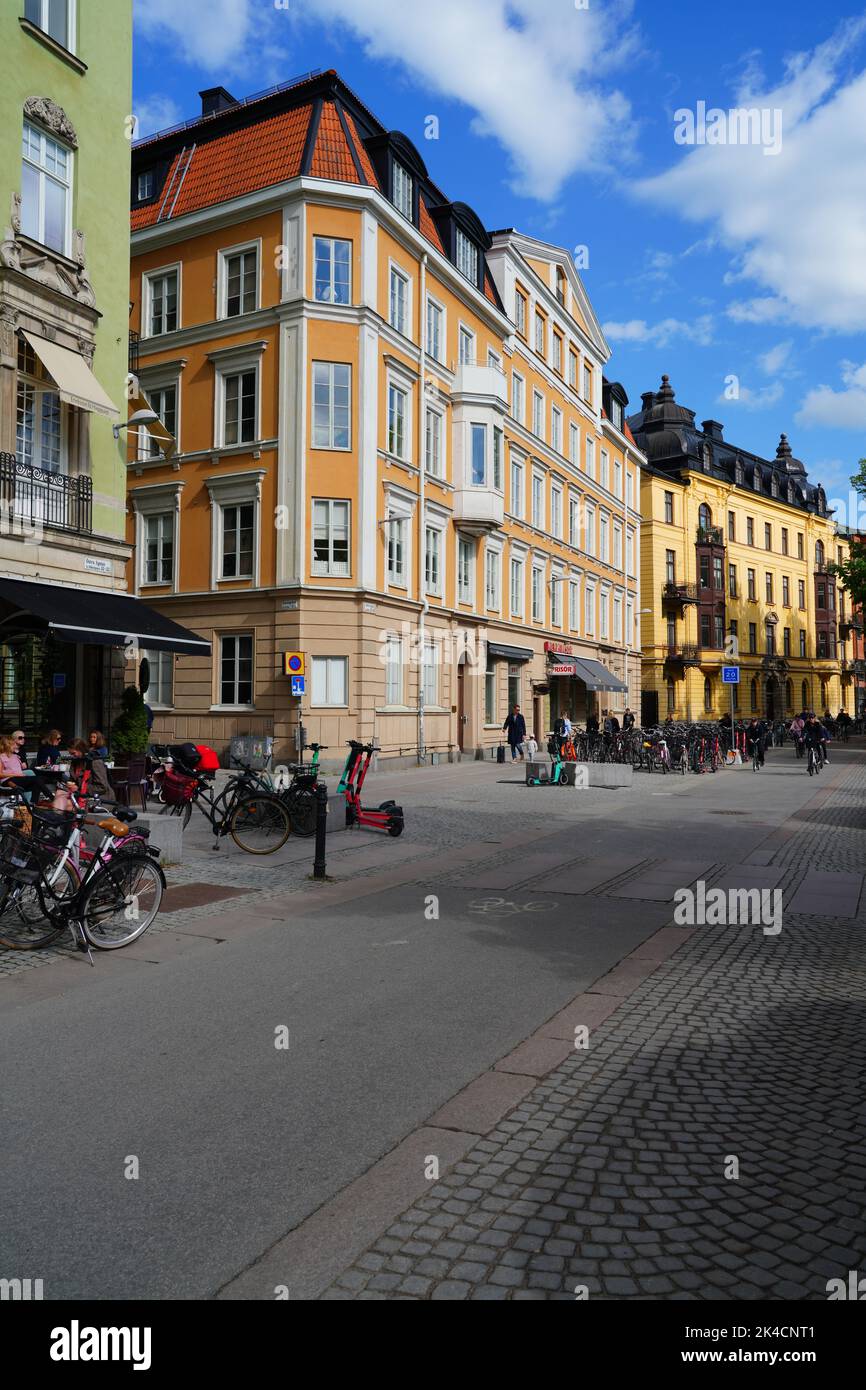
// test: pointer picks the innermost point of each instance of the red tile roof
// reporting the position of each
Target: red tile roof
(332, 158)
(366, 165)
(232, 164)
(428, 226)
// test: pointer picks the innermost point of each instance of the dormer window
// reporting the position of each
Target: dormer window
(756, 479)
(467, 257)
(560, 285)
(402, 190)
(144, 187)
(616, 414)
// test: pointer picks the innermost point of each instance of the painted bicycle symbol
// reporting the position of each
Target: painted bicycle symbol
(503, 907)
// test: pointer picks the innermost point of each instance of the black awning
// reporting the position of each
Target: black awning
(96, 616)
(510, 653)
(597, 677)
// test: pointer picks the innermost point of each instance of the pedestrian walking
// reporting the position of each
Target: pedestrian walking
(515, 732)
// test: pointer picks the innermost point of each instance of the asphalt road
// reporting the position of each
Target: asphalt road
(171, 1068)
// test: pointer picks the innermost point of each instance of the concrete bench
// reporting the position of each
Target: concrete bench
(166, 835)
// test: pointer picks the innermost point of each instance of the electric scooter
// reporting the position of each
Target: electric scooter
(388, 816)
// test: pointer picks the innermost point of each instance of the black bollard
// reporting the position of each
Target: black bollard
(321, 829)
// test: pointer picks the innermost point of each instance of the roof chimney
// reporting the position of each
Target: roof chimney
(712, 428)
(215, 99)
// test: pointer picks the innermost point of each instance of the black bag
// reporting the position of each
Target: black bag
(500, 753)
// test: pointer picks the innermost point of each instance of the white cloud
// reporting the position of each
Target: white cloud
(775, 358)
(660, 334)
(529, 69)
(842, 410)
(795, 221)
(155, 113)
(749, 399)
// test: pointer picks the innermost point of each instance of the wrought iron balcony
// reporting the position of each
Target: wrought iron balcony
(683, 654)
(710, 535)
(675, 592)
(133, 352)
(33, 498)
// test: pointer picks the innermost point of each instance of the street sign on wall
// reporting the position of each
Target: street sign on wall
(730, 675)
(294, 664)
(299, 685)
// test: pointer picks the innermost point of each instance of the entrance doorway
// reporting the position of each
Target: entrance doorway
(461, 705)
(771, 700)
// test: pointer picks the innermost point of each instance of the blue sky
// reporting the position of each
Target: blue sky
(740, 273)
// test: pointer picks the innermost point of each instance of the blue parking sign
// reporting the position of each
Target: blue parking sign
(299, 685)
(730, 675)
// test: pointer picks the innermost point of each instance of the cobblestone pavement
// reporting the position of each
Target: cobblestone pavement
(615, 1176)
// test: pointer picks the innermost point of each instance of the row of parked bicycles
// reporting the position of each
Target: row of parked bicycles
(699, 747)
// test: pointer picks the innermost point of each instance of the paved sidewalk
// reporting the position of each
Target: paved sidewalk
(614, 1178)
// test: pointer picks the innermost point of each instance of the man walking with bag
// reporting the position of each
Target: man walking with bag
(515, 730)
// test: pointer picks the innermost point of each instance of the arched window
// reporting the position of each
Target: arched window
(819, 554)
(705, 517)
(804, 692)
(753, 695)
(708, 694)
(672, 698)
(789, 694)
(823, 697)
(757, 478)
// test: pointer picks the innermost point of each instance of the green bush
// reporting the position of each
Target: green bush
(129, 734)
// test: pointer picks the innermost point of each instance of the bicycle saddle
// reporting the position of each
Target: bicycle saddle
(112, 825)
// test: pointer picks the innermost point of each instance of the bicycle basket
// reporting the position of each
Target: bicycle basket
(177, 788)
(21, 858)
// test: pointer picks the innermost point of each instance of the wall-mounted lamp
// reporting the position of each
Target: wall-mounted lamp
(140, 417)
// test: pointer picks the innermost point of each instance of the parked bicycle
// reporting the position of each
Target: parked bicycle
(256, 818)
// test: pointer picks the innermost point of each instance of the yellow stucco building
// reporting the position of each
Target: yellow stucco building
(396, 449)
(734, 570)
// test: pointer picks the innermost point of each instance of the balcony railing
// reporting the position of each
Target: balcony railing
(676, 592)
(686, 654)
(710, 535)
(34, 498)
(133, 352)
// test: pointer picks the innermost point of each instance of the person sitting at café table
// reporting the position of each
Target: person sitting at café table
(96, 743)
(15, 773)
(49, 749)
(84, 758)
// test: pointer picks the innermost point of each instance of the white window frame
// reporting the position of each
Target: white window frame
(331, 447)
(397, 530)
(574, 604)
(517, 566)
(470, 480)
(33, 388)
(517, 495)
(399, 387)
(604, 538)
(144, 582)
(430, 674)
(44, 174)
(590, 457)
(333, 568)
(573, 368)
(436, 468)
(556, 429)
(218, 672)
(224, 255)
(538, 413)
(617, 618)
(537, 516)
(557, 352)
(402, 184)
(589, 529)
(440, 309)
(556, 511)
(225, 370)
(466, 256)
(604, 472)
(589, 610)
(574, 445)
(556, 585)
(71, 24)
(467, 341)
(536, 591)
(617, 478)
(629, 550)
(617, 546)
(521, 307)
(397, 275)
(466, 573)
(144, 197)
(332, 241)
(152, 387)
(394, 671)
(539, 336)
(574, 509)
(147, 283)
(518, 395)
(158, 662)
(604, 616)
(493, 578)
(155, 500)
(229, 490)
(435, 587)
(315, 667)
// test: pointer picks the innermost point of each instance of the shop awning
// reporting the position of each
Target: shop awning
(510, 653)
(595, 676)
(157, 430)
(71, 375)
(95, 616)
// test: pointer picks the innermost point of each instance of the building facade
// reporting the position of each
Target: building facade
(737, 555)
(396, 452)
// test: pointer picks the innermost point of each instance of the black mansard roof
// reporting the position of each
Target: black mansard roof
(673, 443)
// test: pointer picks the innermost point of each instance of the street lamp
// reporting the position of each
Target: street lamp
(140, 417)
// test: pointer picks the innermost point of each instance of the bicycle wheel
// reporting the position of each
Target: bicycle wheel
(301, 806)
(260, 824)
(28, 917)
(121, 901)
